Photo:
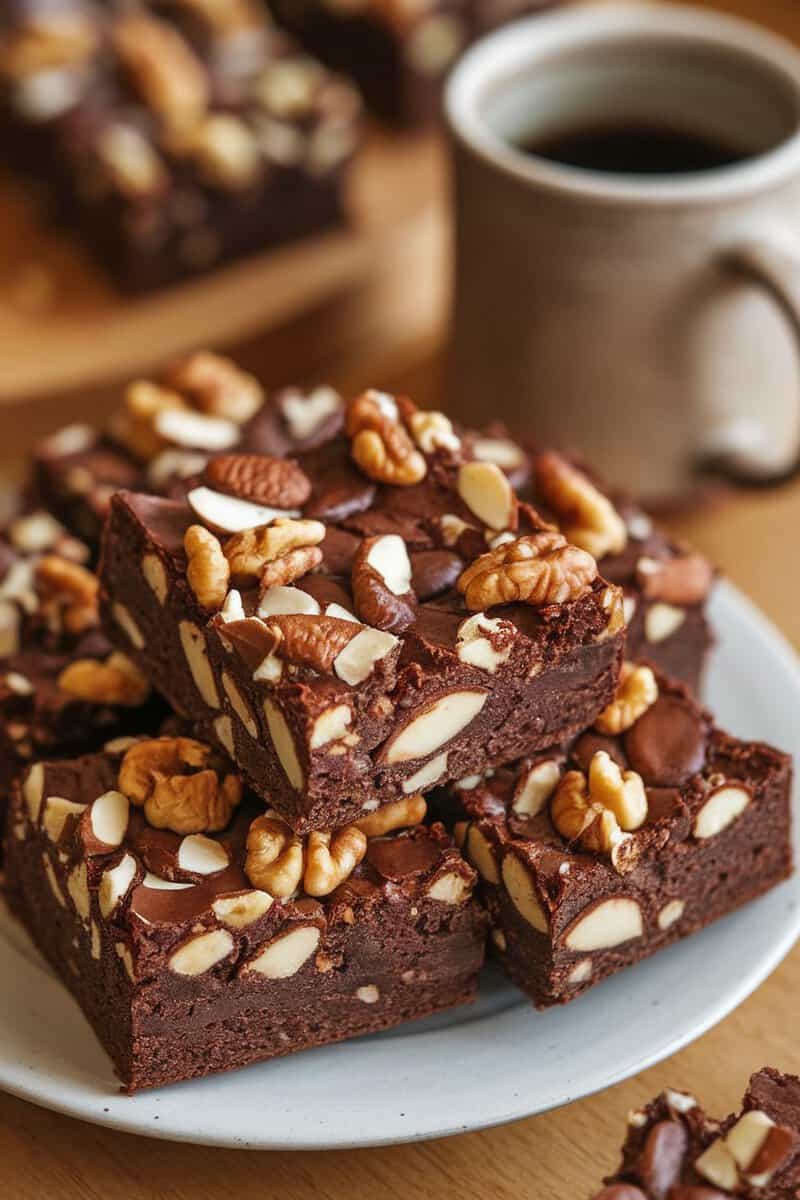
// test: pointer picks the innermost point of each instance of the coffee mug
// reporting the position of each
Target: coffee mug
(650, 321)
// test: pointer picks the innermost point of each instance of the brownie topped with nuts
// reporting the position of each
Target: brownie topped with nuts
(398, 51)
(665, 584)
(175, 136)
(364, 620)
(676, 1151)
(644, 829)
(63, 687)
(200, 934)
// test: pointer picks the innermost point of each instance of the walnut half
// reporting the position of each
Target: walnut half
(182, 784)
(539, 568)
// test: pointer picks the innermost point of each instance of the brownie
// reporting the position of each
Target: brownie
(646, 828)
(666, 583)
(199, 934)
(675, 1151)
(399, 54)
(63, 688)
(376, 614)
(173, 136)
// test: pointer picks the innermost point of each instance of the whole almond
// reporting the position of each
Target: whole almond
(274, 481)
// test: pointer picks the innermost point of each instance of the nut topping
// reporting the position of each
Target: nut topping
(637, 691)
(685, 579)
(278, 482)
(45, 42)
(68, 593)
(181, 783)
(309, 641)
(538, 569)
(207, 570)
(601, 811)
(433, 431)
(276, 554)
(487, 493)
(587, 517)
(381, 445)
(168, 76)
(115, 681)
(277, 859)
(381, 582)
(215, 385)
(399, 814)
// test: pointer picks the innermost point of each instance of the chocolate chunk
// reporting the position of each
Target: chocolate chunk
(662, 1158)
(397, 858)
(588, 744)
(667, 745)
(434, 572)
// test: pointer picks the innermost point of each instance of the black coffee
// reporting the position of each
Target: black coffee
(635, 149)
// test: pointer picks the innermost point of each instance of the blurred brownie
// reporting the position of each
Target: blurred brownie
(175, 136)
(63, 688)
(652, 824)
(199, 934)
(675, 1151)
(375, 615)
(665, 583)
(397, 51)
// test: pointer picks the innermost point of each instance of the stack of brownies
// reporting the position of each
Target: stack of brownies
(426, 685)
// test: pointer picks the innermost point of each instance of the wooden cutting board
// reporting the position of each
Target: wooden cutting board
(63, 328)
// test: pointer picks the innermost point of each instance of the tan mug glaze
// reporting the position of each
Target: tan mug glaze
(651, 322)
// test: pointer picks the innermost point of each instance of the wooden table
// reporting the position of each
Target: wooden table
(559, 1156)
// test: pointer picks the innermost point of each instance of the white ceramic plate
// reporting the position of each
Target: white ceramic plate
(493, 1062)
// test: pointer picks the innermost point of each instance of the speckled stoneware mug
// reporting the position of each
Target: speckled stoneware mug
(651, 322)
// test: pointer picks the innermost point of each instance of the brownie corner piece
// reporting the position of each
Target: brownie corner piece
(675, 1149)
(204, 951)
(352, 622)
(643, 830)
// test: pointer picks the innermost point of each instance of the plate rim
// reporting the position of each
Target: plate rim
(49, 1091)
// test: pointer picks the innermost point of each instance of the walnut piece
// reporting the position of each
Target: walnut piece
(67, 593)
(399, 814)
(539, 568)
(215, 385)
(182, 784)
(136, 427)
(115, 681)
(207, 570)
(47, 41)
(636, 692)
(276, 554)
(381, 445)
(279, 482)
(278, 860)
(164, 70)
(601, 812)
(587, 517)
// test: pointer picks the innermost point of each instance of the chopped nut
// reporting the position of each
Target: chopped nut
(207, 570)
(68, 593)
(331, 858)
(129, 161)
(143, 401)
(535, 787)
(156, 576)
(226, 151)
(283, 744)
(381, 445)
(193, 645)
(115, 681)
(538, 569)
(522, 892)
(381, 582)
(242, 909)
(596, 811)
(307, 415)
(661, 621)
(307, 640)
(399, 814)
(683, 580)
(217, 386)
(163, 68)
(587, 517)
(440, 723)
(276, 554)
(279, 482)
(275, 859)
(450, 888)
(724, 806)
(181, 783)
(605, 924)
(229, 514)
(637, 691)
(284, 956)
(199, 954)
(433, 431)
(487, 493)
(671, 912)
(47, 41)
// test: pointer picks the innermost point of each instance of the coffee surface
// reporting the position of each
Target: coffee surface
(629, 148)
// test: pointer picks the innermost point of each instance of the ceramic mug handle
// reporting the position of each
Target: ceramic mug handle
(741, 445)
